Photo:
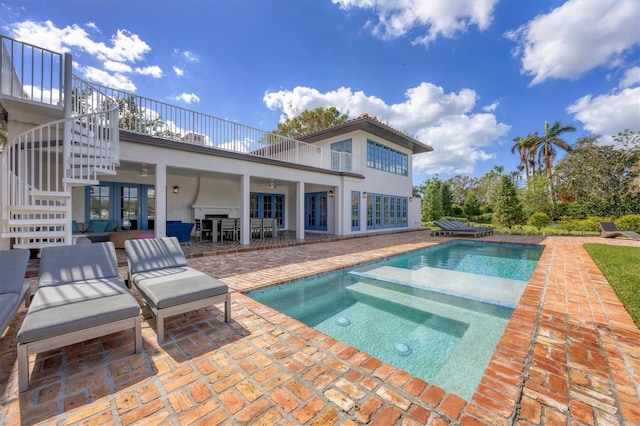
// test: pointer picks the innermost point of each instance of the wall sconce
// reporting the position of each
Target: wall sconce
(331, 194)
(411, 199)
(144, 172)
(176, 189)
(364, 195)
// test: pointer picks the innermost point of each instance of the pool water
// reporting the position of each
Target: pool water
(423, 312)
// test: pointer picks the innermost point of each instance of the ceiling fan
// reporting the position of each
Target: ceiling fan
(271, 184)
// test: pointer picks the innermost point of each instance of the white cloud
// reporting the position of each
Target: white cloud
(186, 55)
(153, 70)
(607, 115)
(179, 71)
(631, 78)
(492, 107)
(442, 120)
(118, 67)
(441, 18)
(114, 81)
(125, 48)
(187, 98)
(577, 37)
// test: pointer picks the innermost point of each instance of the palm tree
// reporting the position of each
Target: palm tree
(547, 145)
(526, 147)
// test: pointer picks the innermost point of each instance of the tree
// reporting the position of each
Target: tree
(432, 201)
(447, 198)
(526, 148)
(461, 186)
(602, 178)
(536, 196)
(507, 210)
(471, 206)
(548, 143)
(539, 220)
(310, 121)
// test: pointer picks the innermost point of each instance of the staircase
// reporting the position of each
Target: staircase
(43, 164)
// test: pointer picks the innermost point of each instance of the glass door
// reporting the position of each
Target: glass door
(315, 208)
(129, 206)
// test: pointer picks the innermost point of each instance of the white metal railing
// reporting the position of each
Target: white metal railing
(30, 72)
(93, 135)
(155, 118)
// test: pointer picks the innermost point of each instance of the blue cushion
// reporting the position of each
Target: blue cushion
(111, 225)
(97, 226)
(74, 227)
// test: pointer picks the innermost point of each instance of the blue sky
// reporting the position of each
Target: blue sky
(464, 76)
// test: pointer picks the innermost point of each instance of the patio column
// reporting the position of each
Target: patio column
(161, 200)
(300, 210)
(245, 195)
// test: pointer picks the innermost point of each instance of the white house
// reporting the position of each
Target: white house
(80, 151)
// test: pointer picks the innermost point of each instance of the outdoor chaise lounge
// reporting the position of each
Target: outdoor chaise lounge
(159, 271)
(610, 230)
(80, 296)
(453, 227)
(13, 287)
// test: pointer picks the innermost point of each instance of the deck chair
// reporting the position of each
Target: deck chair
(459, 225)
(610, 230)
(256, 228)
(80, 296)
(229, 230)
(448, 228)
(159, 271)
(13, 287)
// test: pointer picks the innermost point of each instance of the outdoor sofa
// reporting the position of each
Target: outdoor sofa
(80, 296)
(158, 270)
(454, 227)
(13, 287)
(610, 230)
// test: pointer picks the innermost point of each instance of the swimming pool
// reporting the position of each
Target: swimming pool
(437, 313)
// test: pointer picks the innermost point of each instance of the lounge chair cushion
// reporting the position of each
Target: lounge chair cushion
(8, 300)
(13, 287)
(61, 266)
(60, 309)
(153, 254)
(176, 286)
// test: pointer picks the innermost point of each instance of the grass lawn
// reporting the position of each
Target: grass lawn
(621, 266)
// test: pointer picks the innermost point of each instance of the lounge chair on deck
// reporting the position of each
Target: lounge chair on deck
(13, 287)
(452, 227)
(80, 296)
(158, 269)
(610, 230)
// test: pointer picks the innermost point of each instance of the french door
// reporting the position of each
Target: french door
(315, 211)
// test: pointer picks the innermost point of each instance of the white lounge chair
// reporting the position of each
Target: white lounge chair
(159, 271)
(80, 296)
(13, 287)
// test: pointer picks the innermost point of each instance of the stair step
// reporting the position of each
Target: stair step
(39, 245)
(36, 235)
(80, 182)
(50, 195)
(40, 222)
(84, 151)
(30, 209)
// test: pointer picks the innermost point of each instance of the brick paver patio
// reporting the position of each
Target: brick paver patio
(569, 355)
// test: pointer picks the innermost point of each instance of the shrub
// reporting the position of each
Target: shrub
(539, 220)
(630, 222)
(592, 223)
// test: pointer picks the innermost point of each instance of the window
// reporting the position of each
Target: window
(341, 155)
(267, 206)
(355, 210)
(99, 202)
(386, 211)
(387, 159)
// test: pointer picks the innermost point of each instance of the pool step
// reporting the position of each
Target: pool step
(493, 290)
